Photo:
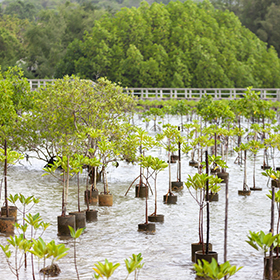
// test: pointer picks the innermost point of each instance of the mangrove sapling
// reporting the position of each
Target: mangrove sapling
(244, 147)
(157, 165)
(90, 138)
(20, 247)
(272, 142)
(214, 270)
(8, 157)
(153, 114)
(254, 147)
(52, 251)
(274, 175)
(64, 163)
(264, 242)
(144, 142)
(239, 132)
(196, 186)
(216, 162)
(94, 163)
(134, 263)
(146, 120)
(193, 129)
(277, 201)
(169, 139)
(167, 109)
(202, 142)
(145, 163)
(106, 269)
(25, 201)
(75, 235)
(182, 109)
(225, 136)
(35, 223)
(77, 167)
(107, 152)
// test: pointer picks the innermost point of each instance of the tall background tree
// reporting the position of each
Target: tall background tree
(187, 43)
(175, 45)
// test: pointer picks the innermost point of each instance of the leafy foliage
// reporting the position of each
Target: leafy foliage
(177, 45)
(106, 269)
(214, 270)
(260, 240)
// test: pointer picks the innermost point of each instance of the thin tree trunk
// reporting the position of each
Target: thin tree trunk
(87, 198)
(75, 259)
(179, 160)
(95, 178)
(226, 223)
(106, 188)
(245, 172)
(169, 171)
(67, 185)
(146, 210)
(141, 174)
(155, 194)
(79, 209)
(92, 176)
(215, 144)
(207, 203)
(5, 178)
(272, 231)
(63, 196)
(254, 172)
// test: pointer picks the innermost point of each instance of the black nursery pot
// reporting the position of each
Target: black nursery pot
(12, 211)
(156, 219)
(264, 167)
(275, 268)
(7, 224)
(63, 222)
(149, 227)
(193, 163)
(198, 247)
(170, 199)
(213, 197)
(208, 257)
(255, 189)
(244, 193)
(91, 215)
(140, 192)
(92, 196)
(177, 186)
(223, 175)
(214, 171)
(173, 159)
(275, 183)
(80, 218)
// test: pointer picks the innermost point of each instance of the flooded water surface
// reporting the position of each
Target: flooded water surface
(115, 236)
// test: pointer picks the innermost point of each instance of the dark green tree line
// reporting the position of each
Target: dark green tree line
(262, 17)
(175, 45)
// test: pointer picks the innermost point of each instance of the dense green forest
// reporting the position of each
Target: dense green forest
(148, 44)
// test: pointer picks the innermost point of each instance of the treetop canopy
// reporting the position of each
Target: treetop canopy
(175, 45)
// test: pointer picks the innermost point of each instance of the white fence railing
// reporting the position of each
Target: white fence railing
(35, 84)
(272, 94)
(196, 93)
